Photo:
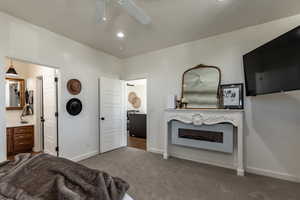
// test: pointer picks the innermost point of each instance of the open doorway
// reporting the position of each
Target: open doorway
(136, 92)
(31, 93)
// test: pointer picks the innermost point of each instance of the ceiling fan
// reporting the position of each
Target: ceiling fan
(128, 5)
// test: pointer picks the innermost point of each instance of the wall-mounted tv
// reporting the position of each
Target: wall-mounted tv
(275, 66)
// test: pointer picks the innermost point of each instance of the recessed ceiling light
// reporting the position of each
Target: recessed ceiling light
(220, 0)
(120, 35)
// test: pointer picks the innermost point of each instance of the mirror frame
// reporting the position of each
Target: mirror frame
(22, 93)
(219, 86)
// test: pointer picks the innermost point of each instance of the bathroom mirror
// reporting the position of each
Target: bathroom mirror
(200, 87)
(14, 94)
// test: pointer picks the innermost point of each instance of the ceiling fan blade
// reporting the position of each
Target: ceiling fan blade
(101, 10)
(135, 11)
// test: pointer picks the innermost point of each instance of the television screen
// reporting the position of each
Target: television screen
(275, 66)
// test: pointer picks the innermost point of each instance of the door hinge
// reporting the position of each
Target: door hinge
(56, 114)
(56, 79)
(56, 149)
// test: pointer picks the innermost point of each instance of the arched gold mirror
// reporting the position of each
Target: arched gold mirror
(200, 87)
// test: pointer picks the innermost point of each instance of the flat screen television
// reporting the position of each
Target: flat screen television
(275, 66)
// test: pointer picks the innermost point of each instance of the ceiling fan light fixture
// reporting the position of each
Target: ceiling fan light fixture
(138, 13)
(102, 10)
(120, 35)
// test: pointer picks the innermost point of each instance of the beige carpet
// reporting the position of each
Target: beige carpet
(152, 178)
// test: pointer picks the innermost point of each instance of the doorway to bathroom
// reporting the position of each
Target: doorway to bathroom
(136, 107)
(31, 93)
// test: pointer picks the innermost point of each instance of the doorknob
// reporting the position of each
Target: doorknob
(102, 118)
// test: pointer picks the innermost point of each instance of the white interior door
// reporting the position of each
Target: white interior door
(39, 114)
(112, 114)
(50, 131)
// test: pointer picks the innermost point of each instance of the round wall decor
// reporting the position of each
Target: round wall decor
(136, 102)
(74, 106)
(74, 86)
(131, 96)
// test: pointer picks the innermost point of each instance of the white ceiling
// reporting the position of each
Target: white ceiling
(173, 21)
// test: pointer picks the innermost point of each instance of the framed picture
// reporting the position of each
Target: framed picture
(233, 96)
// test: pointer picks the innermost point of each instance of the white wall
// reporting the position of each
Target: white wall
(272, 122)
(78, 135)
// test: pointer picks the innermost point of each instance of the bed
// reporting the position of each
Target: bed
(45, 177)
(127, 197)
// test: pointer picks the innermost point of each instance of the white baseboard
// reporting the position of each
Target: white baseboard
(47, 152)
(84, 156)
(253, 170)
(36, 149)
(184, 157)
(208, 162)
(273, 174)
(157, 151)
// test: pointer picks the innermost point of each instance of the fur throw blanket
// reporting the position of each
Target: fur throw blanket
(45, 177)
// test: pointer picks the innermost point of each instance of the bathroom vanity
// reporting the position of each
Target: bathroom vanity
(20, 133)
(20, 139)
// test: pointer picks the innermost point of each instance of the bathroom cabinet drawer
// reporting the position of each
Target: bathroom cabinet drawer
(23, 130)
(20, 139)
(22, 147)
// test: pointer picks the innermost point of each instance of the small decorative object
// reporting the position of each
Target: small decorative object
(171, 102)
(136, 102)
(178, 104)
(131, 96)
(27, 110)
(74, 106)
(29, 98)
(233, 96)
(184, 100)
(184, 103)
(74, 86)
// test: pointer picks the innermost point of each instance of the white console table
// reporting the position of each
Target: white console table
(208, 117)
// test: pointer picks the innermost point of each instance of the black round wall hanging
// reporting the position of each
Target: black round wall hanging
(74, 106)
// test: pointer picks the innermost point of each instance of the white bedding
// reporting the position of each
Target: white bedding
(127, 197)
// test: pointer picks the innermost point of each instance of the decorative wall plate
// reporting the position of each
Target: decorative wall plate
(74, 86)
(131, 97)
(74, 106)
(136, 102)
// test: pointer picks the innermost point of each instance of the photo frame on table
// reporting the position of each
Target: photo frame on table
(232, 96)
